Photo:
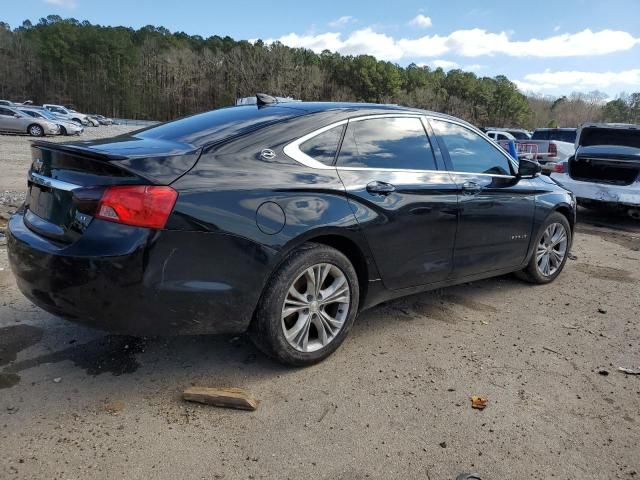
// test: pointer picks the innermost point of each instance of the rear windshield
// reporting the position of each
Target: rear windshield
(610, 136)
(216, 125)
(558, 135)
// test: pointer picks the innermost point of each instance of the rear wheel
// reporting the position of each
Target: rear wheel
(308, 306)
(63, 131)
(550, 252)
(35, 130)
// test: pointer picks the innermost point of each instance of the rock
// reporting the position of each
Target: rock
(57, 380)
(221, 397)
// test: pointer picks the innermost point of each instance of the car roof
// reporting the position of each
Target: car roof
(315, 107)
(551, 128)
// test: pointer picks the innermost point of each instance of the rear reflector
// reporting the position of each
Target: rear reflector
(138, 205)
(553, 150)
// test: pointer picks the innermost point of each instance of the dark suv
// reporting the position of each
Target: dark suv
(284, 219)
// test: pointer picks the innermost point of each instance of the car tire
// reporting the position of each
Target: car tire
(550, 251)
(315, 326)
(35, 130)
(63, 131)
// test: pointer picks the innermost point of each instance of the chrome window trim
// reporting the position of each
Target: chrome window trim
(293, 151)
(52, 182)
(486, 139)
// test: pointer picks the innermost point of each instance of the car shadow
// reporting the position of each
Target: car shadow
(225, 360)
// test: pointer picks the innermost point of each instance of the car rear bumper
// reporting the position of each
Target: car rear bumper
(139, 281)
(627, 195)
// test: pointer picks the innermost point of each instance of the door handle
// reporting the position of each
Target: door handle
(380, 188)
(470, 188)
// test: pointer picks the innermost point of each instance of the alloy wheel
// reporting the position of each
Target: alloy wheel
(316, 307)
(35, 130)
(552, 249)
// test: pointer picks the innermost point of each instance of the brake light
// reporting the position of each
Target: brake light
(559, 167)
(553, 150)
(139, 205)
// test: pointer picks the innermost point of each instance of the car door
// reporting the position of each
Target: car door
(405, 205)
(496, 208)
(8, 122)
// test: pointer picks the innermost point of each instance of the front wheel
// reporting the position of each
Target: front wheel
(550, 251)
(36, 131)
(308, 306)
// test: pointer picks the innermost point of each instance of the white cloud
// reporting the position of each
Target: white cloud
(342, 21)
(468, 43)
(578, 80)
(444, 64)
(447, 65)
(62, 3)
(421, 21)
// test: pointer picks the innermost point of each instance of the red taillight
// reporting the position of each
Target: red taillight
(558, 167)
(138, 205)
(553, 150)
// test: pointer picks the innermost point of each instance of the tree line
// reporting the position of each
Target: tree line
(152, 73)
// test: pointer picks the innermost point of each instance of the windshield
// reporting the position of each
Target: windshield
(58, 110)
(519, 135)
(35, 114)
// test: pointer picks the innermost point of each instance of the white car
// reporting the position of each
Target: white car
(499, 135)
(605, 170)
(68, 114)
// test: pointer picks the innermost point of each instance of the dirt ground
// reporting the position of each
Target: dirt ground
(392, 402)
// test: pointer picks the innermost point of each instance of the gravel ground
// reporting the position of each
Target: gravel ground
(15, 156)
(392, 402)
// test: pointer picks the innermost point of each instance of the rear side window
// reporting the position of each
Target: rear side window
(323, 147)
(388, 143)
(470, 152)
(5, 111)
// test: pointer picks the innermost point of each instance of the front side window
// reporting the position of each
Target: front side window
(469, 152)
(387, 143)
(324, 146)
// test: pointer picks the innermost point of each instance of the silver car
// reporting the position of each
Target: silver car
(68, 114)
(66, 127)
(12, 120)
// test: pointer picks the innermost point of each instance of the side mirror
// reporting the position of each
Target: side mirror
(16, 115)
(528, 168)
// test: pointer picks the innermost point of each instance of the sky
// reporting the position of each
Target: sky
(547, 47)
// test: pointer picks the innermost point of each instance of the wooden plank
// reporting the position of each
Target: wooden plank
(221, 397)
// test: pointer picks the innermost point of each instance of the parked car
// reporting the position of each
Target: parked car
(103, 120)
(67, 114)
(93, 121)
(285, 220)
(605, 170)
(66, 127)
(500, 135)
(550, 146)
(517, 133)
(14, 121)
(6, 103)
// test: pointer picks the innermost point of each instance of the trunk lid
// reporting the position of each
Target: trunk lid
(66, 182)
(608, 154)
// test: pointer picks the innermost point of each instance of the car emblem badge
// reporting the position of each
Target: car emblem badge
(267, 154)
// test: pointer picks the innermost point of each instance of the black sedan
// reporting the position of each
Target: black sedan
(283, 219)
